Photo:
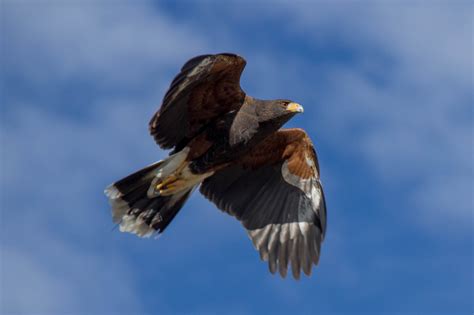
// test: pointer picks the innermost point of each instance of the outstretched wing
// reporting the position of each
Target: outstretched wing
(207, 86)
(276, 193)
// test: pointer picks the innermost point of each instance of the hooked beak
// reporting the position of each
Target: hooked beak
(295, 107)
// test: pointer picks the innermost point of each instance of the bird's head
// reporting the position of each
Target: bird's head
(276, 113)
(285, 109)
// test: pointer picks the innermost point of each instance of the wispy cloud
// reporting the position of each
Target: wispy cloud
(112, 42)
(52, 260)
(55, 277)
(386, 86)
(405, 100)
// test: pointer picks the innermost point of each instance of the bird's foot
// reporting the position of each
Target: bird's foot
(170, 185)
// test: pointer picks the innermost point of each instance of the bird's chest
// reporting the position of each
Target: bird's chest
(217, 146)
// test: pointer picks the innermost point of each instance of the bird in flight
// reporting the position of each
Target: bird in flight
(231, 145)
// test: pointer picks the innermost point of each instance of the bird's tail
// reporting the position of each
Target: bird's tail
(147, 201)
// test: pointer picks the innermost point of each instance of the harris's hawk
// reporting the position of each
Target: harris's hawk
(231, 145)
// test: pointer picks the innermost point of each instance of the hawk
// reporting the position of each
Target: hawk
(231, 145)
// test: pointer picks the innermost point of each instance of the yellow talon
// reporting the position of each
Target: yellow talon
(171, 187)
(166, 182)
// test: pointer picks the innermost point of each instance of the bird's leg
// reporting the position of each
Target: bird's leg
(172, 181)
(166, 182)
(172, 187)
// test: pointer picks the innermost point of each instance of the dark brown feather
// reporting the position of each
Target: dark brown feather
(198, 146)
(207, 87)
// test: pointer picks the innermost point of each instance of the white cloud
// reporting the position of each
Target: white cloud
(62, 162)
(27, 287)
(413, 123)
(108, 41)
(403, 127)
(431, 39)
(64, 279)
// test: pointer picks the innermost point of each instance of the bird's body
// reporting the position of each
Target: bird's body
(228, 138)
(232, 146)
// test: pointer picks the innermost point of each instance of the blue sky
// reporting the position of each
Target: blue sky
(387, 89)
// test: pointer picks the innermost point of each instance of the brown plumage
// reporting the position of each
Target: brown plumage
(232, 146)
(208, 86)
